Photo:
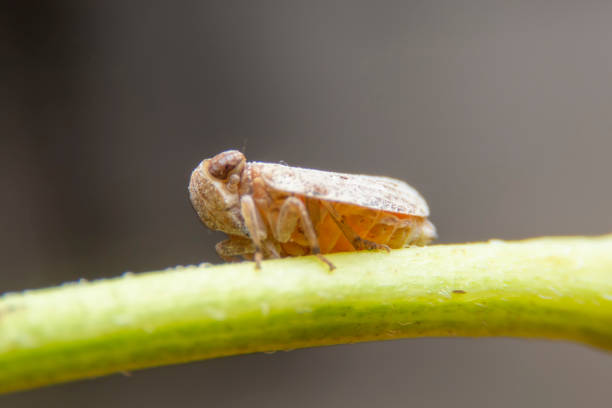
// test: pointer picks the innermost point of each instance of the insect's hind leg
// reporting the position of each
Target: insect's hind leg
(292, 210)
(354, 238)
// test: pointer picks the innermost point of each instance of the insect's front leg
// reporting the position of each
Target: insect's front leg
(292, 210)
(255, 226)
(233, 247)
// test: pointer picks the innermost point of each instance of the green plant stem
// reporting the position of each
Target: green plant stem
(555, 288)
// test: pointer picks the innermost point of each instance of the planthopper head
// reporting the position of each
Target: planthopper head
(213, 190)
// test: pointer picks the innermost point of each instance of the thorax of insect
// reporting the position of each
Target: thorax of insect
(271, 210)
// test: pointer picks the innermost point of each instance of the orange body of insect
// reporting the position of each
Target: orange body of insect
(271, 210)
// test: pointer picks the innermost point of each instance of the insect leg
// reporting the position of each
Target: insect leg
(269, 246)
(234, 246)
(292, 209)
(287, 220)
(256, 227)
(352, 236)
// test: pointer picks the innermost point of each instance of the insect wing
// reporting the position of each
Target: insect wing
(379, 193)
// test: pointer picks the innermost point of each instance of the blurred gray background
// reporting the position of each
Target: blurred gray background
(499, 112)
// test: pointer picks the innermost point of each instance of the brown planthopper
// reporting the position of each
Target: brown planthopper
(273, 210)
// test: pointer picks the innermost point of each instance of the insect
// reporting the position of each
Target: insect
(273, 210)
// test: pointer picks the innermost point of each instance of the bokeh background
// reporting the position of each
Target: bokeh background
(498, 112)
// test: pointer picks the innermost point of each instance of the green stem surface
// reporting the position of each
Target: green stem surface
(554, 288)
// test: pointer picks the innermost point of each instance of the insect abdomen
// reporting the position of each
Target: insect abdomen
(394, 230)
(382, 227)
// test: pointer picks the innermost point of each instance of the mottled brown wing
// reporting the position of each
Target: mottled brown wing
(379, 193)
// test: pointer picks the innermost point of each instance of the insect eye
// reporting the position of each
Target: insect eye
(226, 163)
(221, 171)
